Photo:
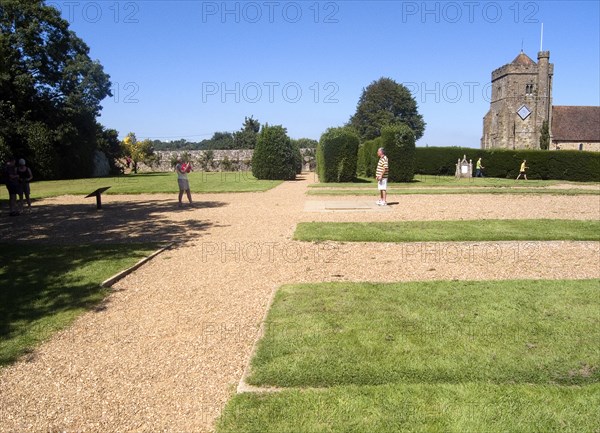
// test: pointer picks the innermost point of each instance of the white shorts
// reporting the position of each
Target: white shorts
(183, 184)
(382, 184)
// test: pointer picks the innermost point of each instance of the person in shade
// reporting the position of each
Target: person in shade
(382, 176)
(11, 179)
(25, 177)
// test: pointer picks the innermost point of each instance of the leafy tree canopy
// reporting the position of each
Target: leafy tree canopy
(246, 137)
(138, 151)
(306, 143)
(385, 102)
(50, 90)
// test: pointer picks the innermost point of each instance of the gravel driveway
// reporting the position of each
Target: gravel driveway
(169, 346)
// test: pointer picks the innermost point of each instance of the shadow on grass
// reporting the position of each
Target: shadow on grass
(44, 287)
(360, 180)
(117, 222)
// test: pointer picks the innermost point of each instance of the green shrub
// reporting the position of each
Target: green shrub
(367, 157)
(543, 164)
(399, 144)
(226, 164)
(273, 156)
(298, 158)
(337, 155)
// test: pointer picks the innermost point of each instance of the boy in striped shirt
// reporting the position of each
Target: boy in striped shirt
(382, 176)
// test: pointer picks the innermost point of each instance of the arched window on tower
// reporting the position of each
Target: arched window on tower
(529, 89)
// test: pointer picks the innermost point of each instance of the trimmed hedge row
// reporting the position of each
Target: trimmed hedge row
(337, 155)
(399, 144)
(367, 157)
(543, 164)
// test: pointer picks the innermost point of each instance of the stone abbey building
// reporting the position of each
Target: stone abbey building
(522, 102)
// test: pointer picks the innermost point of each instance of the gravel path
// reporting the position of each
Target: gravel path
(168, 347)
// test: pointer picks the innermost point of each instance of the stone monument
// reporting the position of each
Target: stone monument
(464, 168)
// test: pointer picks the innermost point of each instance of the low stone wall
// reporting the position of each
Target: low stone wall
(222, 160)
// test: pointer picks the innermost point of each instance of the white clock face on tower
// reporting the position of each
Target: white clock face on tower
(524, 112)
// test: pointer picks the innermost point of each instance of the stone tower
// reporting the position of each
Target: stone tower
(521, 102)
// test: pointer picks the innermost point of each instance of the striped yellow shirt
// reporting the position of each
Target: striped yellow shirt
(382, 167)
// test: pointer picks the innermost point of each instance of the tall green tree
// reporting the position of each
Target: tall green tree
(385, 102)
(50, 90)
(545, 136)
(246, 137)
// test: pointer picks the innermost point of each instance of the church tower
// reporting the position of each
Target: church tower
(521, 102)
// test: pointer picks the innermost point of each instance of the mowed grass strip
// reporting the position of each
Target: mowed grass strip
(154, 183)
(463, 408)
(482, 190)
(503, 332)
(421, 181)
(450, 231)
(44, 288)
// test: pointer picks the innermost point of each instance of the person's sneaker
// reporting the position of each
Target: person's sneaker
(378, 202)
(383, 203)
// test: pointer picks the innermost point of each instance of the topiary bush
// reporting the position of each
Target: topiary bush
(298, 158)
(337, 154)
(274, 156)
(399, 144)
(367, 157)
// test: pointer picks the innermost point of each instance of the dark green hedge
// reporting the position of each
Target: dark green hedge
(543, 164)
(274, 156)
(337, 155)
(399, 144)
(298, 158)
(367, 157)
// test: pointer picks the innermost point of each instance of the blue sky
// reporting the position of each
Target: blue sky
(185, 69)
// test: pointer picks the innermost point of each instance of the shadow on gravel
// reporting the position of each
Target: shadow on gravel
(116, 222)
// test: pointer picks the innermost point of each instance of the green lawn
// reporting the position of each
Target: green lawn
(152, 183)
(443, 408)
(444, 356)
(446, 231)
(321, 335)
(44, 288)
(421, 181)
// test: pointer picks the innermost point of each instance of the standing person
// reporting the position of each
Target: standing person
(25, 177)
(382, 176)
(182, 170)
(11, 178)
(522, 170)
(479, 168)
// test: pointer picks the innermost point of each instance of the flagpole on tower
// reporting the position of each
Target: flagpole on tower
(542, 38)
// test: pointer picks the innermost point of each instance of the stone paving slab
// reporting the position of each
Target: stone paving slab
(344, 206)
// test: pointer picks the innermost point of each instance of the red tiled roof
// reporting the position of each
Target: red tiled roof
(522, 60)
(575, 123)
